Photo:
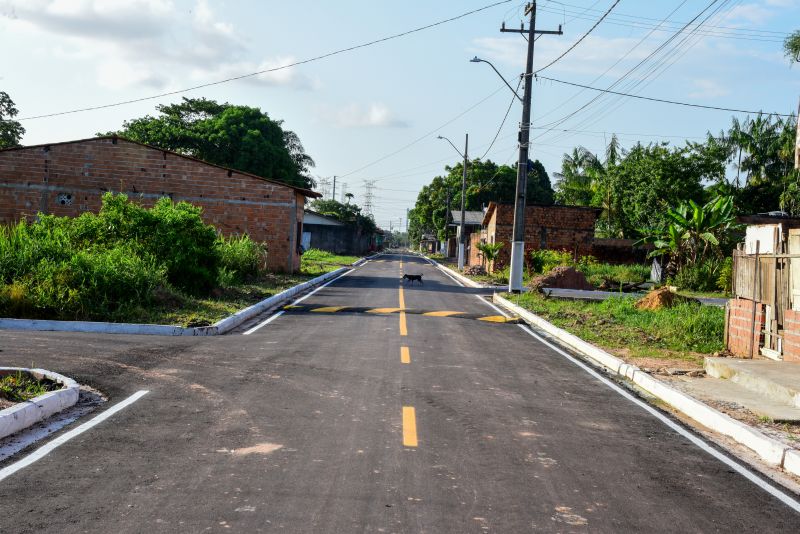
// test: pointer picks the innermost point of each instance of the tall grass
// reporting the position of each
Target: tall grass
(105, 266)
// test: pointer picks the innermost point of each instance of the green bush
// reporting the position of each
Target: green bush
(102, 266)
(725, 278)
(543, 261)
(704, 276)
(598, 273)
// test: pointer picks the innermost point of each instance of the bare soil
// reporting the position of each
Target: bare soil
(662, 298)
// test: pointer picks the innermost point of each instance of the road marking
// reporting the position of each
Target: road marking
(328, 309)
(405, 355)
(442, 313)
(402, 298)
(383, 310)
(301, 299)
(43, 451)
(498, 319)
(409, 427)
(700, 443)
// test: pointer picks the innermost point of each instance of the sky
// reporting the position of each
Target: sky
(374, 113)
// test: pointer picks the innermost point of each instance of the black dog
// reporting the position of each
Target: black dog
(412, 277)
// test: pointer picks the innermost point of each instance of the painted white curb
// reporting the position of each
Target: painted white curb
(220, 327)
(770, 450)
(455, 274)
(27, 413)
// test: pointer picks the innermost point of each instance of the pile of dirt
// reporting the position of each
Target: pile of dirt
(475, 270)
(662, 298)
(561, 278)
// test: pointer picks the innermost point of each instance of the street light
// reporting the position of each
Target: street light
(463, 197)
(476, 59)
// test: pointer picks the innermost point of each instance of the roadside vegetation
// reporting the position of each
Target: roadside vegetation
(133, 264)
(21, 386)
(686, 331)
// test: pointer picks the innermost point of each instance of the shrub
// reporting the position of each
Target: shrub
(704, 276)
(725, 278)
(543, 261)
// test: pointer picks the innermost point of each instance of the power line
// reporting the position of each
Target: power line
(653, 99)
(427, 134)
(502, 123)
(274, 69)
(576, 43)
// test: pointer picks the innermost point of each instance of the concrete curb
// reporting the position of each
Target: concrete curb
(220, 327)
(457, 275)
(27, 413)
(770, 450)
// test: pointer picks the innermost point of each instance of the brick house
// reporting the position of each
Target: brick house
(568, 228)
(69, 178)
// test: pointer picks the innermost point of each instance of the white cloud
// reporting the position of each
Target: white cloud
(751, 14)
(145, 43)
(356, 116)
(705, 88)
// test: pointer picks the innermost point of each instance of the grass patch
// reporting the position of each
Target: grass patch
(20, 387)
(317, 262)
(685, 332)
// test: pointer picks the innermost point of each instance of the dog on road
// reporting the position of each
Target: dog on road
(412, 277)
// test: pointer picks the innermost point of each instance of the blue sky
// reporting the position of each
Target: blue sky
(354, 110)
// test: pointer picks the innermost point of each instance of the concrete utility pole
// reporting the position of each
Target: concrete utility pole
(408, 238)
(463, 201)
(446, 224)
(333, 196)
(518, 239)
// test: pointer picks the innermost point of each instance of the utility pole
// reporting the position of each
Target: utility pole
(462, 237)
(408, 238)
(518, 239)
(333, 196)
(446, 223)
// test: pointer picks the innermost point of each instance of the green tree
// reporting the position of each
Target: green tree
(240, 137)
(11, 131)
(792, 46)
(490, 252)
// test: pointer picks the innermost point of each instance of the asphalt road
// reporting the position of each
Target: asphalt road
(314, 423)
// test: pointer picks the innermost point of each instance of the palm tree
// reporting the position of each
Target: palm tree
(490, 252)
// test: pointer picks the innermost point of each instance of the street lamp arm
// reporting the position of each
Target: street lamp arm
(451, 144)
(476, 59)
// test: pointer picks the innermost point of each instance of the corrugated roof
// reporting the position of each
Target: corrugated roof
(306, 192)
(470, 217)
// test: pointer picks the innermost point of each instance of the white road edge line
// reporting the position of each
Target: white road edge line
(301, 299)
(739, 468)
(43, 451)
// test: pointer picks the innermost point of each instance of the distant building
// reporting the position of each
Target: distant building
(326, 233)
(473, 221)
(569, 228)
(70, 178)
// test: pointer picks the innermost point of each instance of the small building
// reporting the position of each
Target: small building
(473, 220)
(70, 178)
(428, 243)
(329, 234)
(568, 228)
(762, 320)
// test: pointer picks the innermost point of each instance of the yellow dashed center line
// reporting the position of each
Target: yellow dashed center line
(409, 427)
(405, 355)
(442, 313)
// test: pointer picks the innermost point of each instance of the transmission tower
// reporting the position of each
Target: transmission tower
(324, 186)
(369, 186)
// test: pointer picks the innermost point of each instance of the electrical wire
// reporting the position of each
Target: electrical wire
(582, 37)
(274, 69)
(502, 123)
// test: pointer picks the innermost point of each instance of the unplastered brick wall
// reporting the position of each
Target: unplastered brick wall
(743, 340)
(568, 228)
(67, 179)
(791, 336)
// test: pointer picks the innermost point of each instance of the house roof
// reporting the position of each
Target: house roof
(305, 192)
(473, 218)
(312, 217)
